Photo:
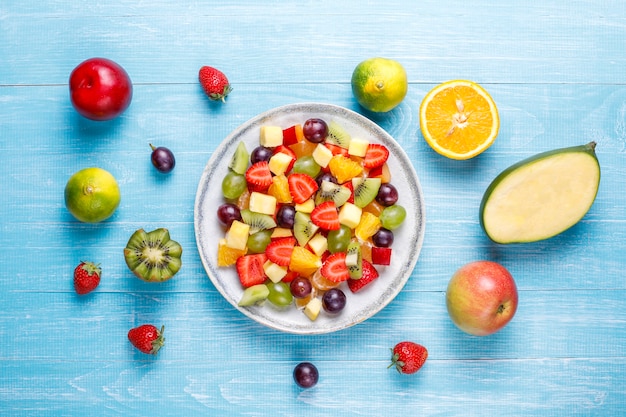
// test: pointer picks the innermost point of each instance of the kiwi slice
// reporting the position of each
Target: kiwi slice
(153, 256)
(365, 190)
(354, 260)
(337, 135)
(253, 295)
(329, 191)
(257, 221)
(303, 228)
(239, 161)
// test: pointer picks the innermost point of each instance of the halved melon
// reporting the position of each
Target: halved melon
(541, 196)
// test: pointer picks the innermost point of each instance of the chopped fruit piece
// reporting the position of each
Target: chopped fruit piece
(280, 232)
(337, 135)
(325, 216)
(259, 176)
(376, 155)
(368, 225)
(337, 150)
(381, 172)
(227, 256)
(366, 250)
(368, 275)
(280, 163)
(301, 187)
(329, 191)
(257, 221)
(365, 190)
(374, 208)
(335, 269)
(291, 275)
(279, 251)
(349, 186)
(350, 215)
(289, 152)
(243, 202)
(323, 284)
(250, 269)
(262, 203)
(304, 262)
(237, 235)
(344, 169)
(280, 189)
(322, 155)
(274, 271)
(318, 244)
(303, 228)
(303, 148)
(292, 135)
(358, 147)
(381, 256)
(253, 295)
(271, 136)
(313, 308)
(306, 207)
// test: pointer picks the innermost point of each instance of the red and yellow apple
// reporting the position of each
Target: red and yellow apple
(481, 298)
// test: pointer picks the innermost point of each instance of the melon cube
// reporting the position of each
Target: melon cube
(358, 147)
(279, 163)
(271, 136)
(322, 155)
(274, 271)
(318, 244)
(313, 308)
(306, 207)
(262, 203)
(279, 232)
(350, 215)
(237, 235)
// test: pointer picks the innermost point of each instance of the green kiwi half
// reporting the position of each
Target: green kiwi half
(153, 256)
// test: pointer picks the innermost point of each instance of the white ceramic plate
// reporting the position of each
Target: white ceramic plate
(407, 239)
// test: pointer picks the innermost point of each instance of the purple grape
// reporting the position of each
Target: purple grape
(286, 215)
(315, 130)
(325, 176)
(162, 159)
(228, 213)
(383, 238)
(260, 153)
(387, 195)
(334, 300)
(305, 374)
(300, 287)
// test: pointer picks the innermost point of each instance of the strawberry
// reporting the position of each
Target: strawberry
(279, 250)
(86, 277)
(214, 83)
(336, 149)
(325, 216)
(250, 269)
(376, 155)
(350, 187)
(259, 176)
(301, 187)
(381, 256)
(334, 268)
(147, 338)
(369, 274)
(408, 357)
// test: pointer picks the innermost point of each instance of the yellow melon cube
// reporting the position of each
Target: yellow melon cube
(358, 147)
(274, 271)
(306, 207)
(318, 244)
(271, 136)
(313, 308)
(350, 215)
(262, 203)
(237, 235)
(322, 155)
(279, 162)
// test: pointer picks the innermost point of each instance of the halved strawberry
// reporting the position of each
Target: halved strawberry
(326, 216)
(381, 256)
(287, 151)
(250, 269)
(292, 135)
(334, 268)
(259, 176)
(369, 274)
(291, 275)
(376, 155)
(336, 149)
(279, 250)
(301, 187)
(350, 187)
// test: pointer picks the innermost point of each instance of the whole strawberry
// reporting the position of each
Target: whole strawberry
(408, 357)
(86, 277)
(214, 83)
(147, 338)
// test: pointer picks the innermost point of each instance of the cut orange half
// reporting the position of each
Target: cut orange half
(459, 119)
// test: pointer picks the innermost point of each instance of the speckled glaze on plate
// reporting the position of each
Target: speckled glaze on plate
(407, 240)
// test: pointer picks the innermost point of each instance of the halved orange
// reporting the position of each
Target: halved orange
(459, 119)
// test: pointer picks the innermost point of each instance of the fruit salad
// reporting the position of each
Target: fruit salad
(309, 215)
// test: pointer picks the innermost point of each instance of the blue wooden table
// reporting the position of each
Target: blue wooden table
(557, 71)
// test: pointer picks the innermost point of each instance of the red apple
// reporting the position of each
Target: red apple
(100, 89)
(481, 298)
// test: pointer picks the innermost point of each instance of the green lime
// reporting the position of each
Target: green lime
(379, 84)
(92, 195)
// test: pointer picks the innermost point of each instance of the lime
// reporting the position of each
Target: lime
(92, 195)
(379, 84)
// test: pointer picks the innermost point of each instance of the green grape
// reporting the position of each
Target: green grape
(307, 165)
(392, 216)
(338, 240)
(280, 294)
(233, 185)
(257, 242)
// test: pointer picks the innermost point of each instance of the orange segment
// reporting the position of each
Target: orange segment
(459, 119)
(280, 189)
(304, 262)
(344, 168)
(368, 226)
(227, 256)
